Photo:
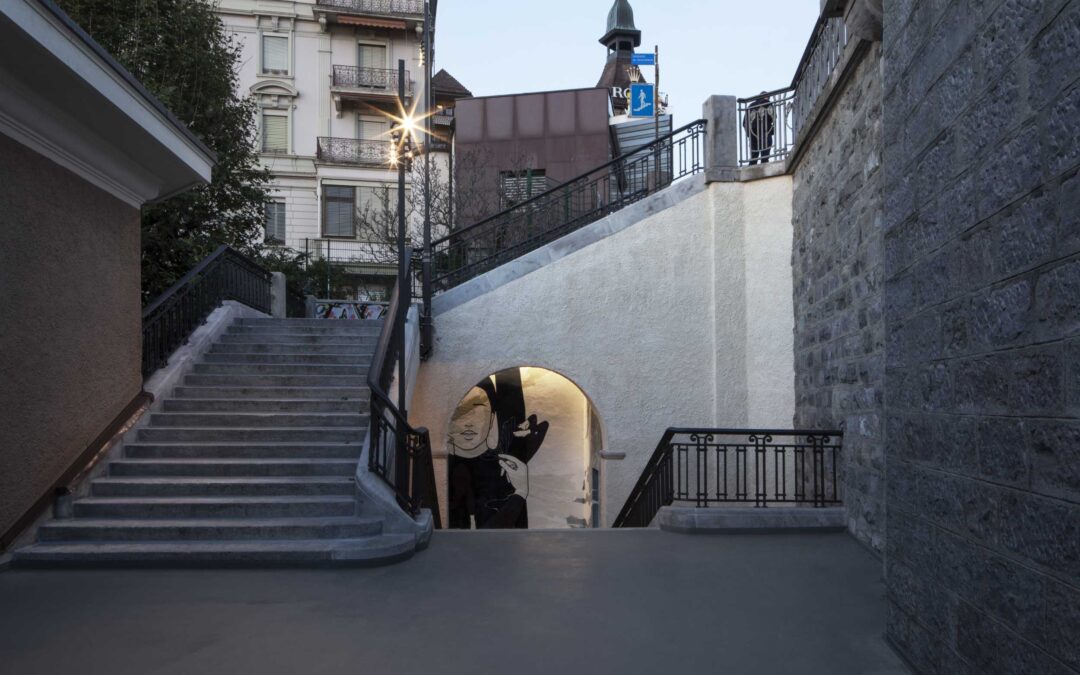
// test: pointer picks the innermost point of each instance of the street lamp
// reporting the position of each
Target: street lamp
(401, 155)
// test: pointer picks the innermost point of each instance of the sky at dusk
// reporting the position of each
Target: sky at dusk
(706, 46)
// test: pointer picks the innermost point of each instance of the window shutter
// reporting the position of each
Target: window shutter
(275, 133)
(339, 211)
(275, 54)
(275, 222)
(371, 130)
(372, 56)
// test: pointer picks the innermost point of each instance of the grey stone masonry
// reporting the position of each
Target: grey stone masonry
(837, 265)
(982, 312)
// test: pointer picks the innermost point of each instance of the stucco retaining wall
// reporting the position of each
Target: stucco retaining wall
(70, 328)
(649, 320)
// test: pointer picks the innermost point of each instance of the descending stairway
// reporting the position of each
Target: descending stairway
(251, 461)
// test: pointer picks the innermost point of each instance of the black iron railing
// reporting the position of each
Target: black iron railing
(170, 320)
(822, 56)
(524, 227)
(377, 7)
(354, 151)
(382, 80)
(765, 127)
(398, 453)
(756, 467)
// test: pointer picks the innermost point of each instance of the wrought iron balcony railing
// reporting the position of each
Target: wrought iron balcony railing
(765, 127)
(354, 151)
(375, 7)
(378, 80)
(736, 467)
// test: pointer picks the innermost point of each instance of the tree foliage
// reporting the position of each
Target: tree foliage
(181, 52)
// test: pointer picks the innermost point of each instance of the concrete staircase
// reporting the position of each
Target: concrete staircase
(250, 462)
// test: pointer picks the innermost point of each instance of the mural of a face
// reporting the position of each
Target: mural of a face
(472, 425)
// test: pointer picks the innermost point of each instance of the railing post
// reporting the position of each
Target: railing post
(721, 138)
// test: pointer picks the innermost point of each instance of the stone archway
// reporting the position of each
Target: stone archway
(523, 449)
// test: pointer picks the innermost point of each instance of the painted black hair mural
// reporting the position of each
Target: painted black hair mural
(492, 439)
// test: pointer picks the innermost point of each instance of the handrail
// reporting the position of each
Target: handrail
(711, 467)
(614, 162)
(172, 317)
(398, 453)
(556, 212)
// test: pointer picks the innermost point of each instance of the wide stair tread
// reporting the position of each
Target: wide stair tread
(382, 549)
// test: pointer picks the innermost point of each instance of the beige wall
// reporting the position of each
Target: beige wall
(69, 321)
(681, 319)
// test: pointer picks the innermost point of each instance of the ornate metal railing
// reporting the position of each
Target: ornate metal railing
(765, 127)
(354, 151)
(170, 320)
(822, 56)
(757, 467)
(398, 453)
(378, 7)
(380, 79)
(524, 227)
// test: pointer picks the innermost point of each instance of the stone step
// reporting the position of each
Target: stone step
(257, 420)
(326, 328)
(277, 369)
(216, 486)
(290, 359)
(299, 339)
(221, 467)
(266, 405)
(201, 380)
(115, 530)
(224, 451)
(252, 435)
(323, 393)
(366, 551)
(287, 348)
(215, 507)
(305, 322)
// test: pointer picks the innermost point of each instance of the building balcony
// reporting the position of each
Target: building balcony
(392, 14)
(369, 85)
(354, 151)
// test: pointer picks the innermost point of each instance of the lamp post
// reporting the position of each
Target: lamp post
(426, 323)
(403, 148)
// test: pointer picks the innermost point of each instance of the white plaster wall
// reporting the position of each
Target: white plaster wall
(650, 322)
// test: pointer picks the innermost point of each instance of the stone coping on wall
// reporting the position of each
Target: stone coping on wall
(749, 520)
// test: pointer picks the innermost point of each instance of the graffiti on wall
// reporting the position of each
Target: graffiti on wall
(491, 441)
(355, 311)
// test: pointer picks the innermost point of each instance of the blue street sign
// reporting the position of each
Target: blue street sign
(642, 100)
(643, 60)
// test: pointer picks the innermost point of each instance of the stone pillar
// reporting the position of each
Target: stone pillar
(722, 139)
(278, 302)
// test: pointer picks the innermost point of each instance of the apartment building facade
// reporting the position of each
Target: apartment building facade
(324, 75)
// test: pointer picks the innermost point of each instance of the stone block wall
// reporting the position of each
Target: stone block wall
(837, 263)
(982, 313)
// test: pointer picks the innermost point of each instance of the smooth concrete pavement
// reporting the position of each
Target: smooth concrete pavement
(495, 602)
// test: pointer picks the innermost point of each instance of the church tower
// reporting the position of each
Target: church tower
(621, 38)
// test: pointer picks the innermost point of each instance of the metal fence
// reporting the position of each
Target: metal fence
(170, 320)
(524, 227)
(822, 55)
(751, 467)
(354, 151)
(384, 7)
(382, 79)
(766, 132)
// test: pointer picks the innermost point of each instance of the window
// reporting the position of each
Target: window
(275, 133)
(372, 56)
(275, 223)
(339, 207)
(518, 186)
(372, 130)
(376, 212)
(275, 59)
